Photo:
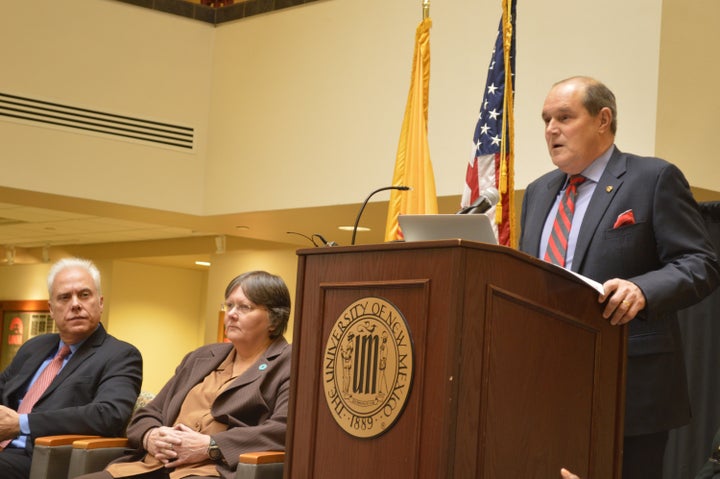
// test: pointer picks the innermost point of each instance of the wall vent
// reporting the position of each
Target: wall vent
(9, 221)
(47, 113)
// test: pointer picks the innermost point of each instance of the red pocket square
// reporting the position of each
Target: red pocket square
(625, 218)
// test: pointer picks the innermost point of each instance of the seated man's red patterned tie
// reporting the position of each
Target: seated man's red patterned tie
(558, 240)
(40, 385)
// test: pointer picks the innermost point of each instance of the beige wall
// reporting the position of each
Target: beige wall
(317, 93)
(161, 311)
(689, 101)
(24, 282)
(116, 58)
(300, 107)
(303, 107)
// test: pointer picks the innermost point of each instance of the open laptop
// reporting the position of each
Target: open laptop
(436, 227)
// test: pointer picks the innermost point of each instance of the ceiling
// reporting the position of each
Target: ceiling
(37, 227)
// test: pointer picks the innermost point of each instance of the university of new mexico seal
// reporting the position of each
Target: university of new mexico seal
(368, 367)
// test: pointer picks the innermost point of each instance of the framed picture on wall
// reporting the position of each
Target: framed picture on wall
(22, 320)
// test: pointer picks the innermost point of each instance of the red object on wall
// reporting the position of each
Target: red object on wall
(15, 336)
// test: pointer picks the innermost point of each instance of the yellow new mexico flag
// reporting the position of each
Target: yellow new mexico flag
(412, 165)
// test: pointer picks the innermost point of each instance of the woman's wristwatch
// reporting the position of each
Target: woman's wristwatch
(213, 452)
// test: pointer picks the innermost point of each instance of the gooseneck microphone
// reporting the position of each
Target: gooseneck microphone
(312, 238)
(357, 220)
(324, 241)
(487, 199)
(309, 238)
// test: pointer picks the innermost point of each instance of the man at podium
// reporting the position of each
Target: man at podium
(630, 223)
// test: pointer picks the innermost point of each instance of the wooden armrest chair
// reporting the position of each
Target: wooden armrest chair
(261, 465)
(51, 456)
(93, 454)
(58, 457)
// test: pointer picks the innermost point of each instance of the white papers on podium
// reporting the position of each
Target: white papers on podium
(591, 282)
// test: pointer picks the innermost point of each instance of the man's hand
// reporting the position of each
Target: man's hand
(624, 301)
(9, 423)
(567, 474)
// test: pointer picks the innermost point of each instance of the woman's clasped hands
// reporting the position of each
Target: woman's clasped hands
(178, 445)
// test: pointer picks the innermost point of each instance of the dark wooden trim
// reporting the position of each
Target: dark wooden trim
(216, 15)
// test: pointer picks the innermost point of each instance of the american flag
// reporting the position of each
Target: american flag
(488, 166)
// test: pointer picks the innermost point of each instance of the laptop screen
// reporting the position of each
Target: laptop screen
(437, 227)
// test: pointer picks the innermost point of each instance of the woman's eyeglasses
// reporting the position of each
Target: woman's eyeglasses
(241, 308)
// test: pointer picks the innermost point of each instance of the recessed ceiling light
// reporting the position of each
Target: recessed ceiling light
(202, 263)
(242, 227)
(350, 228)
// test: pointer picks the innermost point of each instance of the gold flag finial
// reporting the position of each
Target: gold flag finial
(426, 9)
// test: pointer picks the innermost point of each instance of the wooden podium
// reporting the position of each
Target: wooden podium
(503, 366)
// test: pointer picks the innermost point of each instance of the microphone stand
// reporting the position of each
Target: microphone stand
(357, 220)
(304, 236)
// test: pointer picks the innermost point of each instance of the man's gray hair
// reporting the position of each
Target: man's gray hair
(64, 263)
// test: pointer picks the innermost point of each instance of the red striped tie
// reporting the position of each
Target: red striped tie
(40, 385)
(558, 240)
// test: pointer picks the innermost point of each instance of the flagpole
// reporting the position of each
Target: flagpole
(412, 160)
(508, 119)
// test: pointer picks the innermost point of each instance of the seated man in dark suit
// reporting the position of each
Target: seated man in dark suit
(98, 380)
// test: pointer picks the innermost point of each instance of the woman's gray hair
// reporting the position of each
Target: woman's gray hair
(267, 290)
(65, 263)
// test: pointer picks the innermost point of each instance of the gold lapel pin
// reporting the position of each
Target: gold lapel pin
(608, 189)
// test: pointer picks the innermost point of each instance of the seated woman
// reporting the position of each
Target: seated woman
(224, 399)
